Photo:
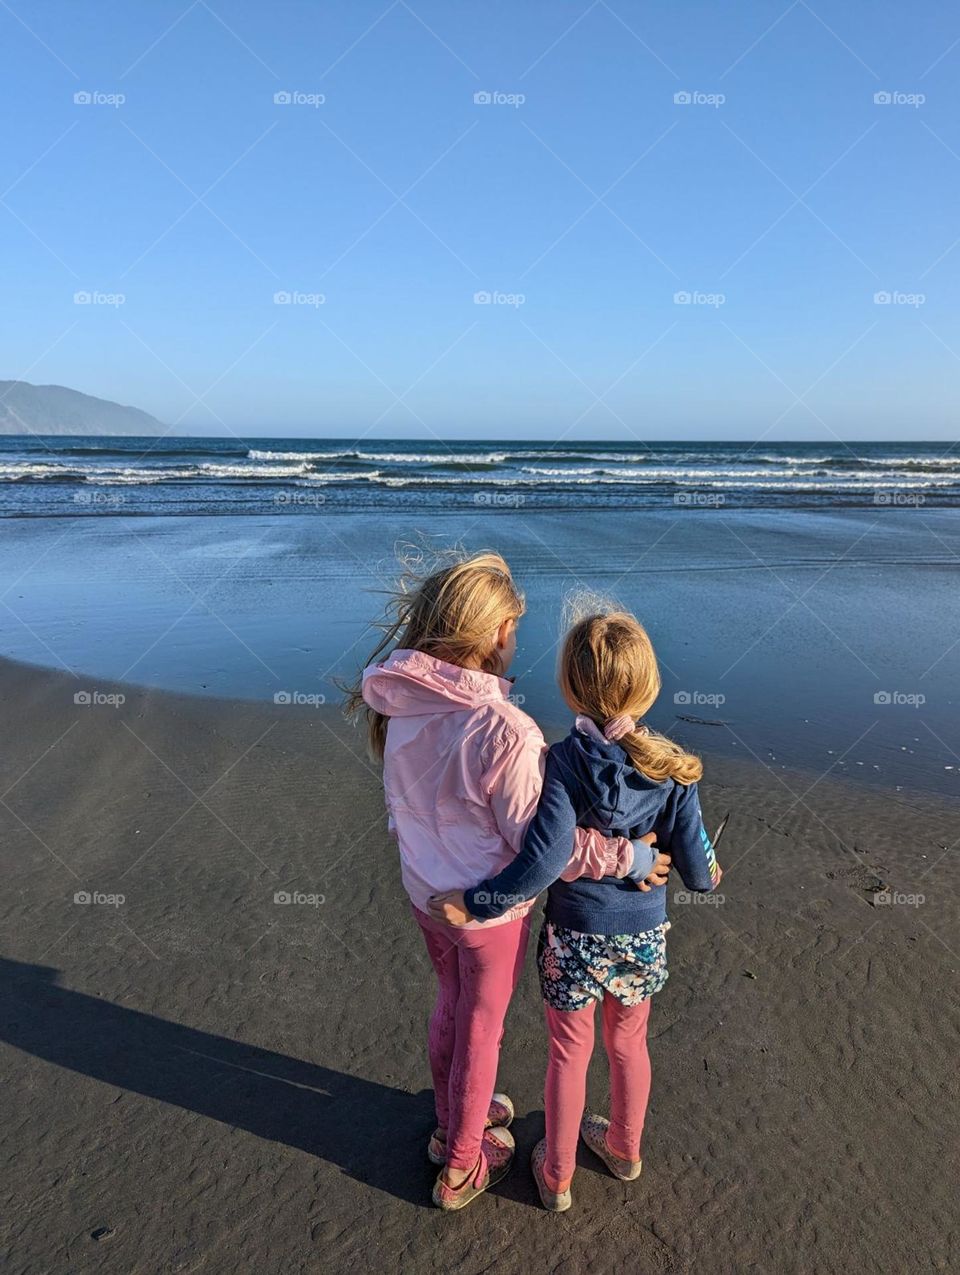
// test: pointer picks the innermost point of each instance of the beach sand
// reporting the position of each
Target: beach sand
(201, 1079)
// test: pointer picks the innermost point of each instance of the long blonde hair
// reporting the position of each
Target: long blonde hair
(608, 668)
(452, 610)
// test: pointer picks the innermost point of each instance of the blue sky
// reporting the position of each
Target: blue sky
(583, 198)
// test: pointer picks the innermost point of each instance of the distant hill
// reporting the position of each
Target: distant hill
(53, 409)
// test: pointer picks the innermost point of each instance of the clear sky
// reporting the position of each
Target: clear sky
(582, 198)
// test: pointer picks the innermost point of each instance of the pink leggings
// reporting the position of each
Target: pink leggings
(477, 971)
(565, 1093)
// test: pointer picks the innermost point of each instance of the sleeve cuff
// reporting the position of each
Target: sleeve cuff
(644, 857)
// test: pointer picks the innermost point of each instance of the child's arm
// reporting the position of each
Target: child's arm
(545, 853)
(544, 857)
(596, 856)
(513, 784)
(688, 842)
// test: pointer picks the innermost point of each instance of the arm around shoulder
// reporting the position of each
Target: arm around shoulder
(545, 853)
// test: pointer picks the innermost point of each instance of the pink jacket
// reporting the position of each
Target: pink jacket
(462, 775)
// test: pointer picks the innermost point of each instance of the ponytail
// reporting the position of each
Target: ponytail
(608, 668)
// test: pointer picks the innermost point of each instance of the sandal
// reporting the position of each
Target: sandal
(552, 1201)
(499, 1116)
(495, 1159)
(593, 1130)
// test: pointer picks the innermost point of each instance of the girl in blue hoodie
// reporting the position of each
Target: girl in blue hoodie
(602, 940)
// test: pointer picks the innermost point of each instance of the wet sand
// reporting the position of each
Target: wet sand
(198, 1078)
(805, 632)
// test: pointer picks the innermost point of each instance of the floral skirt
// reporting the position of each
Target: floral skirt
(576, 968)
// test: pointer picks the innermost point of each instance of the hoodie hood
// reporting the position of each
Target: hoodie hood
(619, 793)
(411, 683)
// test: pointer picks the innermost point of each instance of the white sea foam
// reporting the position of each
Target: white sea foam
(388, 458)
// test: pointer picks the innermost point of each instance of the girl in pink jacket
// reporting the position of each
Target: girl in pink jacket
(462, 774)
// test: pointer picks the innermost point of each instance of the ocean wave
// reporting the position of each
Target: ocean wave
(387, 458)
(142, 447)
(672, 471)
(39, 472)
(566, 459)
(530, 476)
(770, 482)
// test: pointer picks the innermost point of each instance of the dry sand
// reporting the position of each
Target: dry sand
(200, 1079)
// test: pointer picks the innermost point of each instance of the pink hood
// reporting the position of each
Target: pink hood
(411, 683)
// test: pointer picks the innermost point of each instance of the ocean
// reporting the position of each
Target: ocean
(821, 638)
(103, 476)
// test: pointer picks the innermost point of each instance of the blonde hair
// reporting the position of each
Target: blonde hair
(452, 612)
(607, 668)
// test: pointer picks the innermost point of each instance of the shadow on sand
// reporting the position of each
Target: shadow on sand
(376, 1134)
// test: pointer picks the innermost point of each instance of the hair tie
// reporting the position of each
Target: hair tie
(617, 727)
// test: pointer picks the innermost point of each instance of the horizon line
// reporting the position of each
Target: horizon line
(516, 442)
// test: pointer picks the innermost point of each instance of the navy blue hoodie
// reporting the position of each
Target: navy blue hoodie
(594, 784)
